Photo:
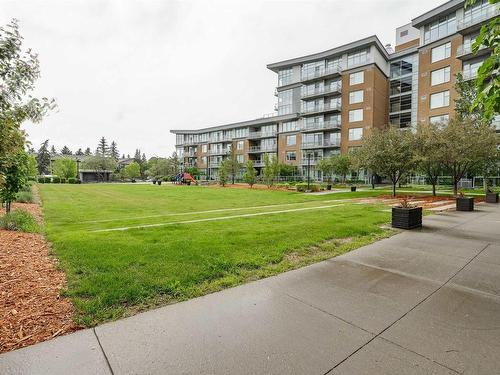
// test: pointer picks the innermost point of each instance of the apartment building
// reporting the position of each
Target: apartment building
(327, 101)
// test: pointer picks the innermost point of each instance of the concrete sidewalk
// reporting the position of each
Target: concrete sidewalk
(420, 302)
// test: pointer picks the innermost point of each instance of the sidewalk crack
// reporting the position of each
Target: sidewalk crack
(103, 352)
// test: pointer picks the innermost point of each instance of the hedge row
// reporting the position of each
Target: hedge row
(58, 180)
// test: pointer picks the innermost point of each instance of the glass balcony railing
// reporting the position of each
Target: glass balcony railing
(221, 151)
(264, 148)
(311, 161)
(322, 90)
(466, 49)
(324, 143)
(469, 74)
(329, 124)
(265, 134)
(320, 72)
(478, 17)
(335, 106)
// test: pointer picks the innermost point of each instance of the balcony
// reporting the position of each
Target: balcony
(268, 148)
(222, 151)
(323, 144)
(474, 21)
(258, 163)
(328, 107)
(321, 73)
(214, 164)
(313, 160)
(330, 124)
(332, 89)
(267, 134)
(464, 51)
(220, 139)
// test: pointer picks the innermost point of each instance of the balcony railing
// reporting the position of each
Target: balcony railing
(262, 148)
(322, 72)
(324, 143)
(474, 19)
(266, 134)
(329, 124)
(214, 164)
(220, 139)
(222, 151)
(258, 163)
(335, 106)
(323, 90)
(313, 160)
(466, 49)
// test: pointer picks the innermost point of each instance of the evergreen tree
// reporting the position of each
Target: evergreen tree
(43, 158)
(128, 156)
(79, 152)
(113, 151)
(102, 147)
(66, 151)
(234, 166)
(53, 150)
(123, 156)
(88, 152)
(137, 156)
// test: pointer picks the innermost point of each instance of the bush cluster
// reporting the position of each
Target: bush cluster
(58, 180)
(302, 187)
(20, 220)
(25, 197)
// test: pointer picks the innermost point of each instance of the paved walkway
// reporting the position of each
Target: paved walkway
(420, 302)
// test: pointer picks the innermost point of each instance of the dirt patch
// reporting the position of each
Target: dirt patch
(31, 306)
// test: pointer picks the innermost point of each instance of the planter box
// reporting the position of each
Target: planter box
(491, 197)
(353, 188)
(154, 182)
(328, 187)
(465, 204)
(406, 218)
(159, 182)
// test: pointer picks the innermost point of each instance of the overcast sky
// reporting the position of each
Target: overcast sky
(132, 70)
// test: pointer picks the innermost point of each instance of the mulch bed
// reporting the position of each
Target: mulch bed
(31, 306)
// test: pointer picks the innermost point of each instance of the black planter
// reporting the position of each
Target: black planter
(159, 182)
(406, 218)
(329, 187)
(465, 204)
(154, 182)
(491, 197)
(353, 188)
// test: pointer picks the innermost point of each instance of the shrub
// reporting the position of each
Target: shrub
(20, 220)
(48, 180)
(56, 180)
(41, 180)
(302, 187)
(24, 197)
(63, 180)
(78, 181)
(71, 180)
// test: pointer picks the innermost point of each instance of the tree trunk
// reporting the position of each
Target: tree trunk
(7, 207)
(455, 187)
(394, 188)
(485, 184)
(433, 189)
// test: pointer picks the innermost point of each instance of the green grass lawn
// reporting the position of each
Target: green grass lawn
(192, 248)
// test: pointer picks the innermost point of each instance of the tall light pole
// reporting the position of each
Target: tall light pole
(309, 170)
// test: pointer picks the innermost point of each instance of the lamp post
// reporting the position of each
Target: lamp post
(78, 168)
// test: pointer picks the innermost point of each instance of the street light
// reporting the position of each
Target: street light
(308, 171)
(78, 168)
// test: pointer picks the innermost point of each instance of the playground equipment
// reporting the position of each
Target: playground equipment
(184, 178)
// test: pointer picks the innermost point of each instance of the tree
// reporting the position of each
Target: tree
(250, 175)
(79, 152)
(88, 152)
(326, 167)
(66, 151)
(389, 153)
(488, 81)
(468, 145)
(429, 152)
(233, 165)
(43, 158)
(102, 147)
(65, 168)
(193, 171)
(224, 172)
(287, 170)
(16, 177)
(137, 156)
(132, 171)
(466, 95)
(341, 165)
(113, 151)
(271, 169)
(99, 164)
(53, 150)
(32, 167)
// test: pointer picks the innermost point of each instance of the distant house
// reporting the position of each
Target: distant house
(122, 163)
(90, 175)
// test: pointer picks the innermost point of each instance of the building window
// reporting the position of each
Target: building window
(285, 77)
(471, 68)
(357, 58)
(291, 156)
(440, 76)
(356, 97)
(240, 145)
(441, 52)
(400, 103)
(204, 160)
(355, 115)
(439, 119)
(356, 78)
(289, 126)
(291, 140)
(402, 67)
(204, 148)
(403, 33)
(285, 99)
(440, 28)
(355, 134)
(240, 158)
(440, 99)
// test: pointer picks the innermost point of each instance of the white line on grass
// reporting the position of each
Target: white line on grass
(208, 211)
(214, 218)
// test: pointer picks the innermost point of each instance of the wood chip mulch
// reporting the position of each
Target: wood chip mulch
(31, 307)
